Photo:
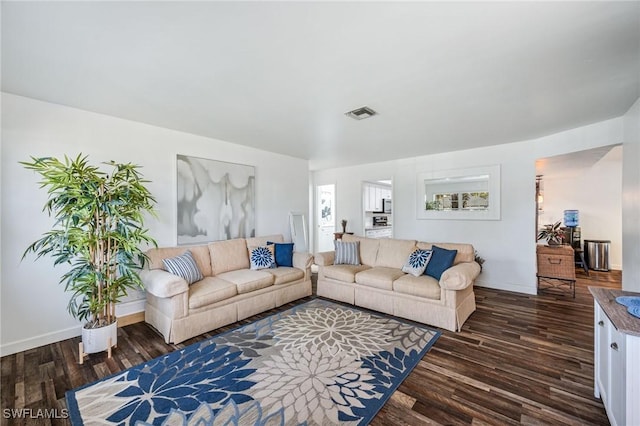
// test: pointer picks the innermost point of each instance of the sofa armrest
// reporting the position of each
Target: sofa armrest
(162, 284)
(460, 276)
(325, 258)
(302, 260)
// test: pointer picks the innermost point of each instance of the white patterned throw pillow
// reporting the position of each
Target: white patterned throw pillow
(184, 266)
(262, 257)
(417, 262)
(347, 253)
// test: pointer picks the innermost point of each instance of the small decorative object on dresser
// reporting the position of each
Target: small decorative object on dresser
(553, 233)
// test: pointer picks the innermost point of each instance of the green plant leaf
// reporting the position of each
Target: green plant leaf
(99, 229)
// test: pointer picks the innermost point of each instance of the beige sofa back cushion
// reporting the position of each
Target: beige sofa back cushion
(262, 241)
(466, 253)
(368, 248)
(200, 254)
(228, 255)
(394, 253)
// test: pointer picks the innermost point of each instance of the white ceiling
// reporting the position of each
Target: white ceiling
(280, 75)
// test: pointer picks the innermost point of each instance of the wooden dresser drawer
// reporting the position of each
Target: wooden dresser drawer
(556, 262)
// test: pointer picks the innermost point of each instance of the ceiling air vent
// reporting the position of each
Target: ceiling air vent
(361, 113)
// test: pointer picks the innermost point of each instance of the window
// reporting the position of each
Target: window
(472, 193)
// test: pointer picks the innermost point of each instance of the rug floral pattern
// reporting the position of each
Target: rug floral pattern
(318, 363)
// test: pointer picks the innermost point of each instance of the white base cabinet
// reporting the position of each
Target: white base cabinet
(617, 370)
(379, 233)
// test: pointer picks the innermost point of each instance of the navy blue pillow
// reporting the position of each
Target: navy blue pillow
(440, 261)
(284, 253)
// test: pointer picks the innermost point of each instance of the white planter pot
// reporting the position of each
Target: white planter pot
(97, 339)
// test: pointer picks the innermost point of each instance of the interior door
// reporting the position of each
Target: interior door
(325, 217)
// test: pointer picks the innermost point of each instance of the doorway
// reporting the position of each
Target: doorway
(377, 208)
(325, 217)
(588, 185)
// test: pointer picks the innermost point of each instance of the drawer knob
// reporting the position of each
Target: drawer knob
(614, 346)
(601, 323)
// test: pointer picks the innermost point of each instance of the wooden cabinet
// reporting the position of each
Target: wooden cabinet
(379, 233)
(386, 193)
(616, 355)
(601, 358)
(372, 195)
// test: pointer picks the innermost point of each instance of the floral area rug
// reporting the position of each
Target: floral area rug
(317, 363)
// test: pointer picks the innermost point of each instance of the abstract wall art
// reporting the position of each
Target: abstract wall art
(216, 200)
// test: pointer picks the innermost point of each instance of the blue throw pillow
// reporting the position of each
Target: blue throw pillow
(284, 253)
(441, 260)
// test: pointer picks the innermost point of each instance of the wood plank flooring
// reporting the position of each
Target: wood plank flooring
(519, 359)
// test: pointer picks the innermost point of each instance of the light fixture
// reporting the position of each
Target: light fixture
(539, 192)
(361, 113)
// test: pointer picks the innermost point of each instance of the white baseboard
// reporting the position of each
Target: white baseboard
(41, 340)
(122, 309)
(132, 307)
(518, 288)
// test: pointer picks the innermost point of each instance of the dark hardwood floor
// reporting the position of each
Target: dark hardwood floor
(518, 360)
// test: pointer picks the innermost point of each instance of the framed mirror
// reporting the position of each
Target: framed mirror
(470, 194)
(298, 231)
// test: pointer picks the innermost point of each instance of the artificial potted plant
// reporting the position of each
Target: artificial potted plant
(98, 230)
(553, 233)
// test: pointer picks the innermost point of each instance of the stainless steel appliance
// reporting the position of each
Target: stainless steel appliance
(379, 221)
(597, 254)
(386, 205)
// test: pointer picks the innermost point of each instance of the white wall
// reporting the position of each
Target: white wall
(631, 200)
(597, 193)
(508, 244)
(33, 304)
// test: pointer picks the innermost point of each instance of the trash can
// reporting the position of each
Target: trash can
(597, 254)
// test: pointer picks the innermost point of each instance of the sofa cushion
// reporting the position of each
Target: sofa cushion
(200, 254)
(210, 290)
(379, 277)
(368, 248)
(417, 262)
(184, 266)
(285, 274)
(283, 253)
(422, 286)
(347, 253)
(247, 280)
(441, 260)
(262, 241)
(161, 283)
(344, 273)
(228, 255)
(393, 253)
(460, 276)
(261, 257)
(466, 252)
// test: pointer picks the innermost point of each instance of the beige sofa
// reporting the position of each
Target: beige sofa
(229, 292)
(379, 283)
